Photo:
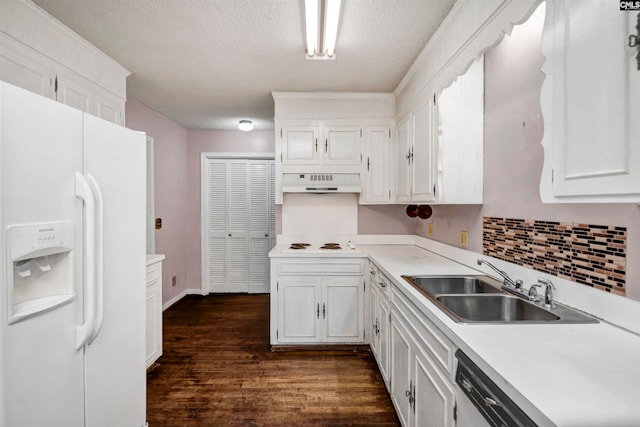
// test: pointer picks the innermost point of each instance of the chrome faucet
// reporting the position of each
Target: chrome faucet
(508, 283)
(548, 292)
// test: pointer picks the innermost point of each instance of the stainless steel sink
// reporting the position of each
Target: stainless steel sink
(494, 308)
(454, 284)
(480, 299)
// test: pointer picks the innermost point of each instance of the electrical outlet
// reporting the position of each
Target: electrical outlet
(430, 229)
(464, 238)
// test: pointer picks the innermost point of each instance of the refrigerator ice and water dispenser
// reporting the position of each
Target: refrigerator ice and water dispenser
(41, 273)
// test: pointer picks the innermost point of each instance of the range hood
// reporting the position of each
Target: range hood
(321, 183)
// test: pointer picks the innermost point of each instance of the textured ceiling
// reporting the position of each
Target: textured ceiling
(208, 63)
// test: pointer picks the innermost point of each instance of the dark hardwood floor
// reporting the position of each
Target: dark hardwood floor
(217, 370)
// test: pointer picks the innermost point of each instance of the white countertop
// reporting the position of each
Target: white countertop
(562, 374)
(154, 258)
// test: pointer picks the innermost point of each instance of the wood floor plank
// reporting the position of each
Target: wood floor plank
(217, 370)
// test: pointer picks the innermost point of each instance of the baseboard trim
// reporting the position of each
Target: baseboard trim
(180, 296)
(321, 347)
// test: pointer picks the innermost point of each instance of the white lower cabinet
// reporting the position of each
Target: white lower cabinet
(421, 390)
(153, 313)
(316, 306)
(380, 320)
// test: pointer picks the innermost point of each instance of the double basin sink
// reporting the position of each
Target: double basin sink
(479, 299)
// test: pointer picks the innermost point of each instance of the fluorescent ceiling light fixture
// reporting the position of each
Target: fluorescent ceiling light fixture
(245, 125)
(322, 18)
(311, 18)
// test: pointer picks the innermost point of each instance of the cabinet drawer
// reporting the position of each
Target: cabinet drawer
(314, 266)
(429, 337)
(153, 273)
(384, 284)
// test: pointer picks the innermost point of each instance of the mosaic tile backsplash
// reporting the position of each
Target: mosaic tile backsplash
(594, 255)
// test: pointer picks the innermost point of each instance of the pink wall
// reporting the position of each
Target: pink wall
(385, 219)
(513, 157)
(212, 141)
(170, 141)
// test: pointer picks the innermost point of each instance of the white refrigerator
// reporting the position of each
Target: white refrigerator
(72, 265)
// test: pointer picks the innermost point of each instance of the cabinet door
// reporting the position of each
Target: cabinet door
(422, 159)
(299, 310)
(384, 324)
(24, 69)
(377, 142)
(300, 146)
(343, 309)
(434, 393)
(460, 115)
(374, 337)
(590, 102)
(73, 93)
(401, 383)
(108, 106)
(342, 145)
(403, 159)
(153, 329)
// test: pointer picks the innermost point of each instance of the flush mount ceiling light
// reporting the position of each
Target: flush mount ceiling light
(245, 125)
(321, 21)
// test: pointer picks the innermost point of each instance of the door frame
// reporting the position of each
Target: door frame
(204, 158)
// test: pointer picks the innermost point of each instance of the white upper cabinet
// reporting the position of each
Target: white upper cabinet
(342, 145)
(24, 69)
(415, 178)
(78, 75)
(590, 103)
(376, 146)
(326, 132)
(460, 138)
(299, 145)
(314, 145)
(422, 155)
(403, 159)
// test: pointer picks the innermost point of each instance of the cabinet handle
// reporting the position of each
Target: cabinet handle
(324, 310)
(266, 235)
(383, 285)
(229, 234)
(318, 311)
(371, 272)
(326, 145)
(413, 398)
(367, 163)
(490, 402)
(316, 145)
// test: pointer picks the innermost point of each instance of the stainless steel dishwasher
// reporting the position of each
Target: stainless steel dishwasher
(481, 402)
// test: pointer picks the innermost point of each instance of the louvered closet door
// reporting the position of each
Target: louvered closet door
(272, 203)
(239, 199)
(238, 226)
(217, 234)
(259, 221)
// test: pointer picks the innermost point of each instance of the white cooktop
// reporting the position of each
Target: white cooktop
(328, 248)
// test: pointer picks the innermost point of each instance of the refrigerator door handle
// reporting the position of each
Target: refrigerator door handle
(99, 256)
(85, 331)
